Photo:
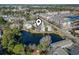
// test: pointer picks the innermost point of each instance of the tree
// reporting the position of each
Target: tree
(2, 21)
(7, 35)
(29, 16)
(44, 43)
(19, 49)
(10, 46)
(16, 31)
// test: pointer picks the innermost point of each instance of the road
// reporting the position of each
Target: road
(63, 32)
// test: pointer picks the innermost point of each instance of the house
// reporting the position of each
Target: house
(36, 52)
(60, 51)
(5, 17)
(66, 25)
(42, 27)
(14, 26)
(49, 28)
(65, 12)
(77, 32)
(62, 44)
(27, 26)
(74, 50)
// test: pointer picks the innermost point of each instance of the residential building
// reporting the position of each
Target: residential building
(49, 28)
(73, 50)
(27, 26)
(60, 51)
(62, 44)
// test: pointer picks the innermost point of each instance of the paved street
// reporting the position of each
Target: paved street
(63, 32)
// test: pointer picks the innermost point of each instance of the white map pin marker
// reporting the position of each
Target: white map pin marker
(38, 22)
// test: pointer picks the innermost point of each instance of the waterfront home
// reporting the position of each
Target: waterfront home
(49, 28)
(42, 27)
(34, 25)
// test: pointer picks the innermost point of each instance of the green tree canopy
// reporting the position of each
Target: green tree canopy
(2, 21)
(19, 49)
(8, 36)
(44, 43)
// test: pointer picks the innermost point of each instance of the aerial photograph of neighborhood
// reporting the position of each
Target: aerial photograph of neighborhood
(34, 29)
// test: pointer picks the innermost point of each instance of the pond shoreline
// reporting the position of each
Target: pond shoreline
(30, 38)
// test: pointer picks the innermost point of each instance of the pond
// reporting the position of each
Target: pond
(29, 38)
(73, 18)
